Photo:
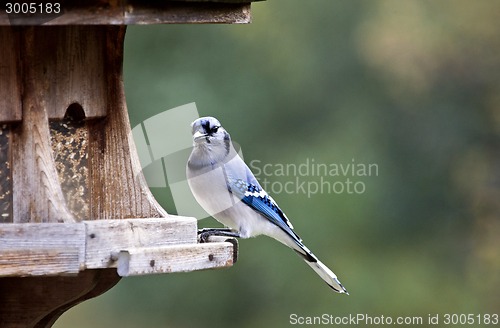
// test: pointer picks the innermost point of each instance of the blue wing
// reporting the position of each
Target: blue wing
(252, 194)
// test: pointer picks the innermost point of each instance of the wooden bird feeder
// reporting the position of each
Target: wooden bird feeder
(75, 212)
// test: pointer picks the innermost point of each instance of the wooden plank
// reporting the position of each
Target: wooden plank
(126, 12)
(38, 246)
(46, 235)
(106, 236)
(117, 187)
(135, 246)
(176, 258)
(69, 64)
(40, 262)
(10, 84)
(41, 249)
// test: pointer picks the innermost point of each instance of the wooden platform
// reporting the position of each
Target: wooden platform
(132, 246)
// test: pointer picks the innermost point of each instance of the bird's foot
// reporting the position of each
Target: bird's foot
(204, 234)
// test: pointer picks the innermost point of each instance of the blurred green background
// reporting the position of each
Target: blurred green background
(413, 86)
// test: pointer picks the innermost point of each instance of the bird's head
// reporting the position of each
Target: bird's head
(208, 131)
(212, 144)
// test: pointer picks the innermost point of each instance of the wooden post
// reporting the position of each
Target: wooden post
(67, 158)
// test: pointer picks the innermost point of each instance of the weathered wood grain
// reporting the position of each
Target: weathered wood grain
(104, 237)
(37, 193)
(33, 249)
(51, 249)
(39, 262)
(175, 258)
(74, 59)
(10, 84)
(117, 186)
(68, 64)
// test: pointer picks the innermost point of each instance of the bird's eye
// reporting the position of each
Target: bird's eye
(214, 129)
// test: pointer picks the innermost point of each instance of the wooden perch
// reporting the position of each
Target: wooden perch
(134, 246)
(174, 258)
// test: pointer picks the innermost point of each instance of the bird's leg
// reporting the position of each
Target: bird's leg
(205, 233)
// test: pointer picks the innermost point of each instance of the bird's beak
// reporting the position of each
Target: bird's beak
(198, 135)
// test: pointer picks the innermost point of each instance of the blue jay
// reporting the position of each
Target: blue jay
(226, 188)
